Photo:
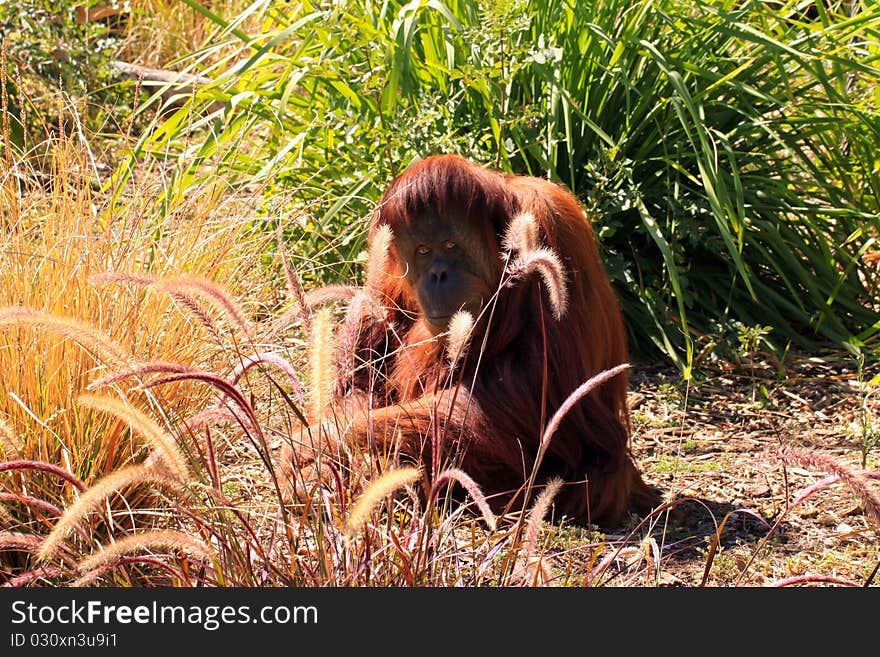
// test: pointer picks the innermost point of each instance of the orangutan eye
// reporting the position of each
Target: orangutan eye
(448, 244)
(423, 250)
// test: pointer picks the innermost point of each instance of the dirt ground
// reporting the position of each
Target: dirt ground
(712, 446)
(715, 443)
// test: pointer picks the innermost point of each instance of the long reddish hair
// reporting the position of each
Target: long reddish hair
(532, 360)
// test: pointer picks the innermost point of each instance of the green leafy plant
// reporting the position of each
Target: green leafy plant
(751, 339)
(865, 425)
(58, 76)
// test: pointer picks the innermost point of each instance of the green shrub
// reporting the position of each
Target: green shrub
(49, 48)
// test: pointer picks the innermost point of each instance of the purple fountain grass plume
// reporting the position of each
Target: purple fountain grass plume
(810, 490)
(108, 277)
(521, 234)
(228, 390)
(536, 569)
(93, 499)
(171, 455)
(812, 579)
(537, 514)
(471, 486)
(209, 416)
(347, 337)
(17, 540)
(180, 288)
(166, 539)
(294, 284)
(364, 302)
(532, 569)
(549, 267)
(855, 479)
(329, 293)
(856, 482)
(8, 441)
(85, 335)
(43, 572)
(140, 370)
(378, 490)
(458, 337)
(270, 359)
(33, 502)
(321, 364)
(42, 466)
(580, 392)
(377, 264)
(219, 297)
(196, 310)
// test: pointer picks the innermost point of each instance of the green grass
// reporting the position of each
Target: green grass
(671, 465)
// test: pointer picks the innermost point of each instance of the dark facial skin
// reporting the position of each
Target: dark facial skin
(449, 267)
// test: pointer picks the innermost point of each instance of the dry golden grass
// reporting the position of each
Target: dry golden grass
(61, 330)
(161, 29)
